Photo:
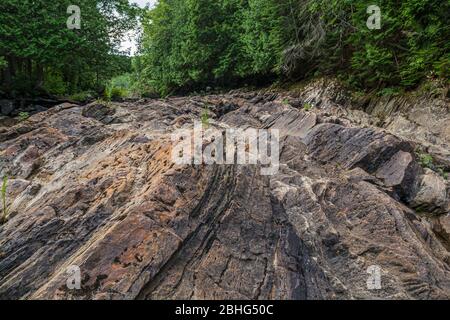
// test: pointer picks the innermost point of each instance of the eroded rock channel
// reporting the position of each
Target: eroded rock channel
(95, 186)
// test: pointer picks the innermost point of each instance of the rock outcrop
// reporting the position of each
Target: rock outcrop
(420, 117)
(95, 187)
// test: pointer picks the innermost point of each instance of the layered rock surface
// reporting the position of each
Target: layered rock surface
(95, 186)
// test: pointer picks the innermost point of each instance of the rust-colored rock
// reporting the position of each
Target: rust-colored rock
(95, 187)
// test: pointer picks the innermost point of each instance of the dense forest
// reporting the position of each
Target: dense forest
(40, 54)
(188, 45)
(191, 43)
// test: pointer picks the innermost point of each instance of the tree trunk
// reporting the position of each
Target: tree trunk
(39, 76)
(7, 76)
(29, 66)
(12, 65)
(20, 65)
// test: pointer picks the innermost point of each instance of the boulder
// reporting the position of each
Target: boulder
(432, 195)
(400, 172)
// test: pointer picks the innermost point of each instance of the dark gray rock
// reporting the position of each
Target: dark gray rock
(6, 107)
(100, 112)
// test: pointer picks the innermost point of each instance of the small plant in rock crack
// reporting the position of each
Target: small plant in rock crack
(205, 118)
(307, 107)
(426, 161)
(286, 101)
(5, 208)
(23, 116)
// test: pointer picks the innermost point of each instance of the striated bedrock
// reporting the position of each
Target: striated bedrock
(95, 187)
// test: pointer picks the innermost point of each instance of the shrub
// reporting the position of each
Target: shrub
(426, 161)
(82, 97)
(118, 87)
(54, 84)
(388, 92)
(117, 93)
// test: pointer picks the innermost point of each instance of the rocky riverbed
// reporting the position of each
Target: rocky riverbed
(95, 187)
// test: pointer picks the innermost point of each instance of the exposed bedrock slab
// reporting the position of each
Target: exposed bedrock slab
(95, 187)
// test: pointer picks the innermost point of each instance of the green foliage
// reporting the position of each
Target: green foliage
(3, 62)
(389, 92)
(426, 161)
(55, 84)
(307, 107)
(123, 81)
(82, 97)
(442, 66)
(190, 44)
(23, 116)
(40, 49)
(22, 85)
(119, 87)
(262, 37)
(117, 93)
(411, 44)
(139, 85)
(5, 208)
(205, 118)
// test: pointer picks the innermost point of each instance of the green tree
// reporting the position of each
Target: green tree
(37, 44)
(191, 44)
